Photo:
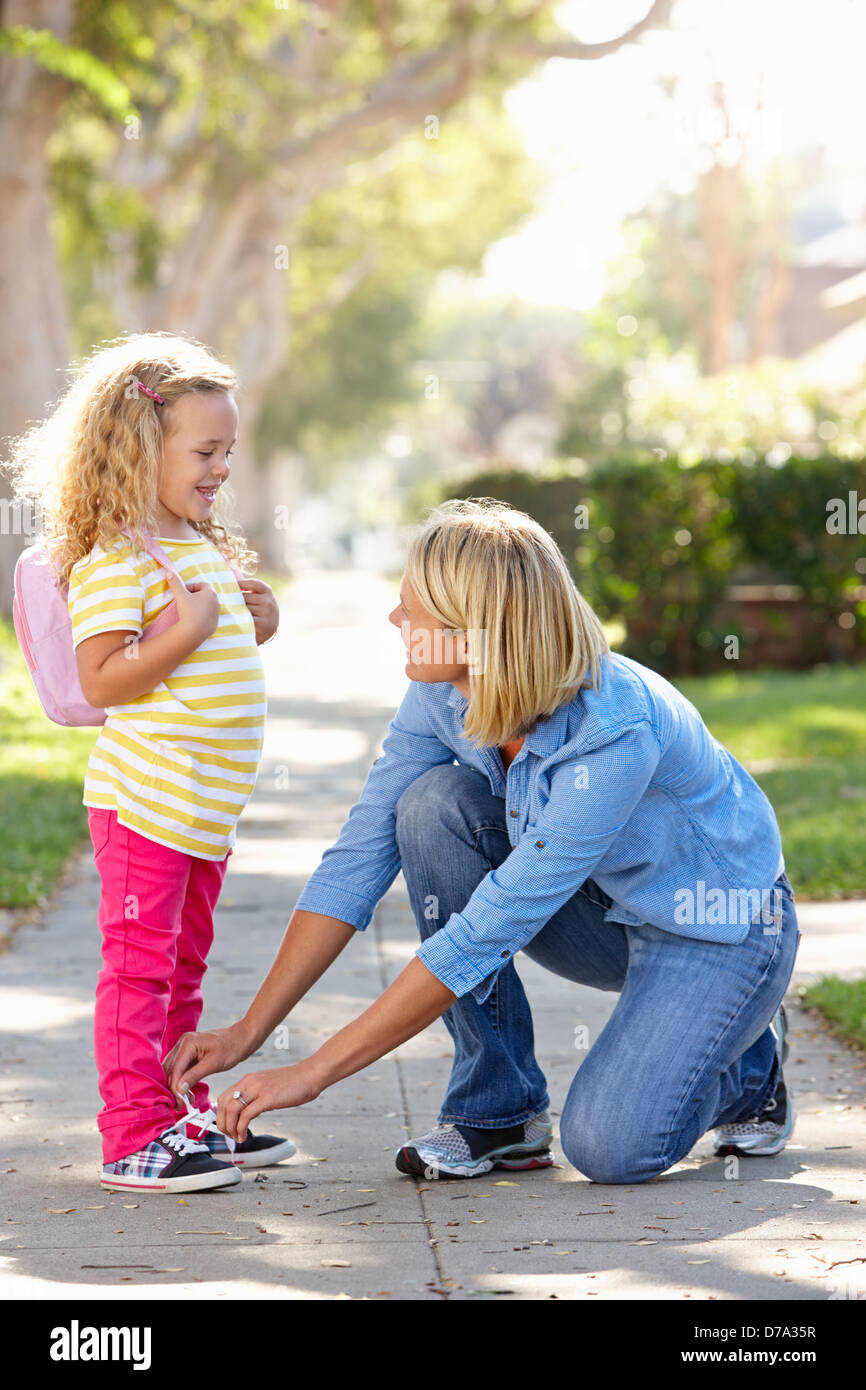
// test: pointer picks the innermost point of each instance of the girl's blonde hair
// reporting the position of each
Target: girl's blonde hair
(93, 465)
(480, 566)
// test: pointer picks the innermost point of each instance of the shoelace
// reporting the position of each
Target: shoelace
(202, 1119)
(181, 1143)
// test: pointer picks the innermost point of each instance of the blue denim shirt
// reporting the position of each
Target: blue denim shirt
(624, 784)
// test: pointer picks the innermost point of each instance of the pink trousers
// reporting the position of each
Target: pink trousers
(156, 918)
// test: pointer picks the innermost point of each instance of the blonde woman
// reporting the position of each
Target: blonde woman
(542, 794)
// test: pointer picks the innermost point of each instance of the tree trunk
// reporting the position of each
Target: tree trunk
(33, 345)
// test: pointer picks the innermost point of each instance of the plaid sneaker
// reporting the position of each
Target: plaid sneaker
(459, 1151)
(769, 1132)
(257, 1151)
(171, 1163)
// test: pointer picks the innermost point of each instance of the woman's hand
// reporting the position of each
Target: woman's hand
(277, 1089)
(259, 598)
(195, 1055)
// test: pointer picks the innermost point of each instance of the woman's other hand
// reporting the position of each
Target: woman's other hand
(277, 1089)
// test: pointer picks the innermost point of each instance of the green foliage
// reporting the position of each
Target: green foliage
(353, 369)
(662, 542)
(75, 64)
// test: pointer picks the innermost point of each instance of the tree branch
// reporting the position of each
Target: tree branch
(566, 47)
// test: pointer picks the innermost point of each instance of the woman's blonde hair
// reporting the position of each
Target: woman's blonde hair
(93, 465)
(480, 566)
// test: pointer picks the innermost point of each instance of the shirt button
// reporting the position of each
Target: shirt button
(513, 812)
(506, 953)
(539, 844)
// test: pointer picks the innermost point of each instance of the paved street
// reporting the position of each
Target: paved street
(338, 1220)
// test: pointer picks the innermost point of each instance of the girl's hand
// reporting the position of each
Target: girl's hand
(278, 1089)
(195, 1055)
(198, 607)
(259, 598)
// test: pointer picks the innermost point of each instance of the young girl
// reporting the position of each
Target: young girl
(138, 448)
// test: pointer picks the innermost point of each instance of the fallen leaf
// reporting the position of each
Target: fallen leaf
(182, 1202)
(477, 1220)
(131, 1206)
(336, 1264)
(503, 1183)
(60, 1211)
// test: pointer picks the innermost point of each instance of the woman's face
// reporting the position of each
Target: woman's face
(200, 433)
(434, 652)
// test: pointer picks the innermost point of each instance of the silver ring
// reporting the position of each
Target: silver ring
(238, 1096)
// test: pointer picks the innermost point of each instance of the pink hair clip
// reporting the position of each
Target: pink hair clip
(147, 391)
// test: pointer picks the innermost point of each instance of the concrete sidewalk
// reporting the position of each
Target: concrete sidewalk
(337, 1220)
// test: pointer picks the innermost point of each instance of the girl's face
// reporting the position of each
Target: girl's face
(200, 434)
(434, 653)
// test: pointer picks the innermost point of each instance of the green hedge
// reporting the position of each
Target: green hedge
(665, 540)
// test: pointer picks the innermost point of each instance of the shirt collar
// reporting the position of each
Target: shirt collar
(546, 737)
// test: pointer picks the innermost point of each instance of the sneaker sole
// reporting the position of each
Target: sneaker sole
(409, 1161)
(201, 1182)
(265, 1157)
(765, 1148)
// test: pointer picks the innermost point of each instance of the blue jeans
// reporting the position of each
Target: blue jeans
(687, 1047)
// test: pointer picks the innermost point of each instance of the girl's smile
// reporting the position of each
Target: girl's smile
(200, 433)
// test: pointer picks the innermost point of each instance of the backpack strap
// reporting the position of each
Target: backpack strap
(158, 554)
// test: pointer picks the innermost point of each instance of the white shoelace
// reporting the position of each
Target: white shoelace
(181, 1143)
(202, 1119)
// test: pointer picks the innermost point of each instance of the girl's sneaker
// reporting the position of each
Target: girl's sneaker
(171, 1163)
(257, 1151)
(459, 1151)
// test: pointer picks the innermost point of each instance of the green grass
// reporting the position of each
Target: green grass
(802, 735)
(42, 777)
(843, 1004)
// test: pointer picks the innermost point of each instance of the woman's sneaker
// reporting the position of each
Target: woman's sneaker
(769, 1132)
(171, 1163)
(459, 1151)
(257, 1150)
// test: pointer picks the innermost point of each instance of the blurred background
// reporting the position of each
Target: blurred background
(602, 255)
(604, 259)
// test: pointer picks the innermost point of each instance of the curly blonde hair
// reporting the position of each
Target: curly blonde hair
(93, 465)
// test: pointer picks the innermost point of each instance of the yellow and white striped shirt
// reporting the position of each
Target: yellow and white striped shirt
(179, 764)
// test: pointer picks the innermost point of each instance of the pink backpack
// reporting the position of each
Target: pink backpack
(43, 627)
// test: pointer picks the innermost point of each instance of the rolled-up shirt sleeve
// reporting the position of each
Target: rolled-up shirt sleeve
(361, 865)
(591, 798)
